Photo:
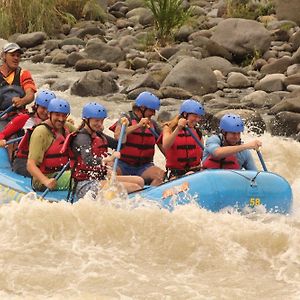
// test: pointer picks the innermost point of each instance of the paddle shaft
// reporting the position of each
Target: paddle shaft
(155, 134)
(122, 133)
(58, 175)
(262, 160)
(195, 138)
(15, 140)
(10, 108)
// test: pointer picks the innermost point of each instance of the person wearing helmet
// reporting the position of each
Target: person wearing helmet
(20, 124)
(138, 152)
(17, 87)
(45, 158)
(183, 153)
(88, 148)
(225, 150)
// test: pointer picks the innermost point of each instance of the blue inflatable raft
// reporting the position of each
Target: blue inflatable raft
(212, 189)
(14, 186)
(215, 190)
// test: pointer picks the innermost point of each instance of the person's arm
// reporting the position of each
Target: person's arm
(247, 161)
(29, 88)
(170, 136)
(225, 151)
(38, 145)
(142, 123)
(34, 170)
(14, 126)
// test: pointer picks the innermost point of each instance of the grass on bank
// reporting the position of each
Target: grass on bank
(25, 16)
(249, 9)
(169, 15)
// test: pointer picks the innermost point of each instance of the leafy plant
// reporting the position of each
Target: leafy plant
(48, 15)
(168, 16)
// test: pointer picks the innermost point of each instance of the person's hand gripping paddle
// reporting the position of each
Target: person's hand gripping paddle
(112, 188)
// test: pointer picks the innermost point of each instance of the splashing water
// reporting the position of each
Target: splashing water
(136, 250)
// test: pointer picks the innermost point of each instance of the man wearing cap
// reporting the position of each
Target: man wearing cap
(17, 87)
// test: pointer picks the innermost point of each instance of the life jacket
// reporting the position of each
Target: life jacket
(8, 91)
(80, 170)
(139, 147)
(185, 153)
(54, 160)
(23, 147)
(229, 162)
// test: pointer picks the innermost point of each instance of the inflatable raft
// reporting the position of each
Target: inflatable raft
(14, 186)
(213, 190)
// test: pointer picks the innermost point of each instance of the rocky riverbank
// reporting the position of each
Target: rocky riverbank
(250, 66)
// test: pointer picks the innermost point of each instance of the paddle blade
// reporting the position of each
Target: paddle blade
(112, 190)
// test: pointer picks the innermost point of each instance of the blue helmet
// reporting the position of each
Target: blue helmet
(191, 106)
(231, 123)
(59, 105)
(94, 110)
(148, 100)
(43, 98)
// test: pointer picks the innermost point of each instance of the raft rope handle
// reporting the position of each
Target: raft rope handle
(252, 180)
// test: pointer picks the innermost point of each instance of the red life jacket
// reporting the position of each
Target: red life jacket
(139, 147)
(82, 171)
(54, 160)
(185, 153)
(23, 146)
(229, 162)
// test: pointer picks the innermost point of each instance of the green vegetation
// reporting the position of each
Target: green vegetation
(248, 9)
(48, 15)
(250, 59)
(168, 16)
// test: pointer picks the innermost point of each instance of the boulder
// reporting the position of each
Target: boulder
(94, 83)
(277, 66)
(242, 37)
(238, 80)
(201, 80)
(288, 10)
(271, 83)
(101, 51)
(218, 63)
(29, 40)
(287, 104)
(285, 123)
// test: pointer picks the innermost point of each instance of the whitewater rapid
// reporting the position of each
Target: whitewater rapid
(105, 250)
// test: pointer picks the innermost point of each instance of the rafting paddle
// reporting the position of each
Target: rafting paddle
(12, 141)
(194, 137)
(109, 189)
(262, 161)
(58, 175)
(155, 134)
(9, 109)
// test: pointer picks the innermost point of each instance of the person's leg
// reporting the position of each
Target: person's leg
(130, 186)
(138, 180)
(154, 174)
(86, 186)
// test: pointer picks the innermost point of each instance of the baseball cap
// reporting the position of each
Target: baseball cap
(12, 47)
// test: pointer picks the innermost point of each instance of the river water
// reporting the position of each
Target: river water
(95, 250)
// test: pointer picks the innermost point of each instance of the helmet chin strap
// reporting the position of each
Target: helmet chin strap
(143, 111)
(87, 122)
(36, 111)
